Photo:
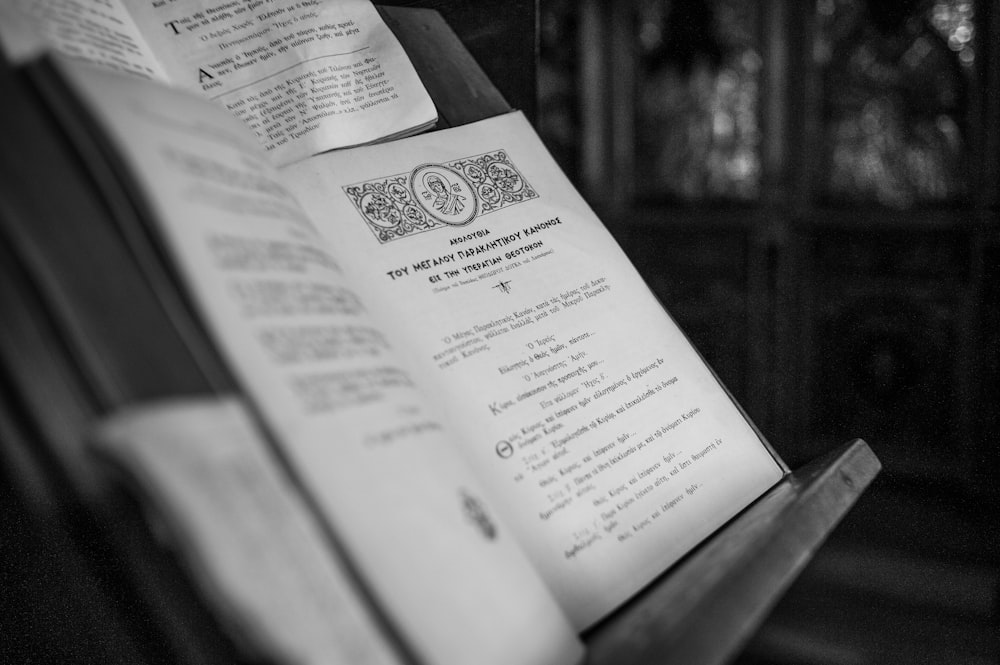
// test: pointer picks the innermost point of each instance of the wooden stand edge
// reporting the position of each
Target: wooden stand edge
(706, 608)
(461, 90)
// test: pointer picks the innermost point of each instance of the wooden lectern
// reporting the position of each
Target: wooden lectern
(84, 574)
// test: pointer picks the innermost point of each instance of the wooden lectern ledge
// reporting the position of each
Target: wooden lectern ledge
(706, 607)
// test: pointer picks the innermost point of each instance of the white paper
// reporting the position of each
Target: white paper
(350, 418)
(604, 438)
(97, 31)
(305, 76)
(243, 531)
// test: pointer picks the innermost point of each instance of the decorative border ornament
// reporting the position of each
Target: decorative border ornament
(435, 196)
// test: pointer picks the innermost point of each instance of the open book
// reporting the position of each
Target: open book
(471, 391)
(305, 76)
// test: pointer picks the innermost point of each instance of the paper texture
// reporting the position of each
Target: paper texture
(603, 436)
(242, 529)
(304, 75)
(355, 427)
(98, 31)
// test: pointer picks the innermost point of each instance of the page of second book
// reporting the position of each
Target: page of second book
(305, 76)
(601, 432)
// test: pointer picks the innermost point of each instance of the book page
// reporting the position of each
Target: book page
(363, 445)
(98, 31)
(605, 439)
(304, 75)
(243, 532)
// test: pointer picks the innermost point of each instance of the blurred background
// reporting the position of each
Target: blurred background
(811, 188)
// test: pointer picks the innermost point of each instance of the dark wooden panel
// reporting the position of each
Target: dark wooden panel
(461, 90)
(988, 395)
(888, 335)
(705, 272)
(700, 276)
(502, 36)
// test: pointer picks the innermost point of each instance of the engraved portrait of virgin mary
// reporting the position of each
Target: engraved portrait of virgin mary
(445, 201)
(444, 194)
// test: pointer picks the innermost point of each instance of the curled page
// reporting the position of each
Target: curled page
(304, 75)
(359, 436)
(257, 554)
(100, 32)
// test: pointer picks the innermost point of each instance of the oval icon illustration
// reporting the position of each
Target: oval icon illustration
(444, 194)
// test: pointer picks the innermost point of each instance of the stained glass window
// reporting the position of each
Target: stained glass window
(894, 80)
(697, 128)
